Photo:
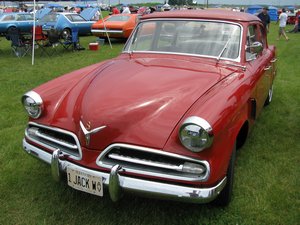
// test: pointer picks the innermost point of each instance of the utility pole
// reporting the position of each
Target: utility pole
(207, 4)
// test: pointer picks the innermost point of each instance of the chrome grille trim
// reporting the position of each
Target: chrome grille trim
(41, 137)
(145, 162)
(61, 142)
(170, 168)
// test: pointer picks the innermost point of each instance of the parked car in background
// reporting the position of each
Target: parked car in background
(292, 16)
(21, 21)
(116, 26)
(164, 119)
(64, 22)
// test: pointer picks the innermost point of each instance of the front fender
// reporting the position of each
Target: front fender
(225, 107)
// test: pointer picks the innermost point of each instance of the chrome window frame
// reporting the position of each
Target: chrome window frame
(129, 41)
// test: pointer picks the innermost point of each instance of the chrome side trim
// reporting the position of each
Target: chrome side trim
(107, 31)
(100, 163)
(56, 130)
(273, 60)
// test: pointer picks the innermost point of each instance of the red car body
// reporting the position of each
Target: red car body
(116, 26)
(125, 121)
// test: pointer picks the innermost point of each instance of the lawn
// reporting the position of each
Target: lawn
(267, 178)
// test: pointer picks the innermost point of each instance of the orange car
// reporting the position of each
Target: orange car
(117, 26)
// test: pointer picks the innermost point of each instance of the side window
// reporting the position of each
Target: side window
(9, 18)
(70, 18)
(20, 18)
(29, 17)
(263, 36)
(254, 35)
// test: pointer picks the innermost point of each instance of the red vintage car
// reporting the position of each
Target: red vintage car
(115, 26)
(164, 119)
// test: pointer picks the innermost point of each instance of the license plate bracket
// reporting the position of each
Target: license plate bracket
(84, 181)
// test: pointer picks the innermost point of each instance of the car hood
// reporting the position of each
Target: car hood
(42, 12)
(139, 101)
(88, 13)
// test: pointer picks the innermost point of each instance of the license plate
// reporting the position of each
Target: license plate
(83, 181)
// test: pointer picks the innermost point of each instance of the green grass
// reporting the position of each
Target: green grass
(267, 178)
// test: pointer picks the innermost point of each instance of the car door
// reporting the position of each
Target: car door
(22, 23)
(259, 64)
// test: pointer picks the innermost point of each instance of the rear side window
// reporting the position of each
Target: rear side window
(9, 18)
(75, 18)
(49, 18)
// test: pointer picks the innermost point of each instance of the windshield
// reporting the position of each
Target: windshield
(205, 38)
(118, 18)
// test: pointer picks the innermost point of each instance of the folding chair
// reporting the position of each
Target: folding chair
(19, 47)
(72, 41)
(40, 38)
(53, 40)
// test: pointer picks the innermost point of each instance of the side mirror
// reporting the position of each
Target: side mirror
(256, 47)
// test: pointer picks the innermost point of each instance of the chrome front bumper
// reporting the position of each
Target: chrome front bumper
(117, 183)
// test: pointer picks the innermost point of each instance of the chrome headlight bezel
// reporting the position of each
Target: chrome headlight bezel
(33, 104)
(196, 134)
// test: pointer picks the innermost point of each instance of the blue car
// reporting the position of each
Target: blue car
(22, 21)
(64, 22)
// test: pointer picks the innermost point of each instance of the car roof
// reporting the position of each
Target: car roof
(15, 13)
(213, 14)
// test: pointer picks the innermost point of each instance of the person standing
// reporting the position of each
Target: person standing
(265, 18)
(282, 24)
(115, 10)
(126, 10)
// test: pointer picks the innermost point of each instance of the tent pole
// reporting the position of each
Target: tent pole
(104, 25)
(33, 34)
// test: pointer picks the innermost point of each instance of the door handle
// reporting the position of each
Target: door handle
(267, 68)
(273, 60)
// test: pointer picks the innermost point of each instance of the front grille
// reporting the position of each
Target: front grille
(152, 162)
(54, 138)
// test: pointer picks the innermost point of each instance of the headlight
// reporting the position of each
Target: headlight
(33, 104)
(196, 134)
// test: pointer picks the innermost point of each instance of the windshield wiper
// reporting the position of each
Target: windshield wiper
(223, 50)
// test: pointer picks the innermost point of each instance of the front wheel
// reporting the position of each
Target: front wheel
(66, 33)
(9, 31)
(224, 197)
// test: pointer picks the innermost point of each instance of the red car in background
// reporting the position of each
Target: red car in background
(115, 26)
(165, 118)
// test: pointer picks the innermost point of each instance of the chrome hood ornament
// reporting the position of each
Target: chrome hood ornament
(87, 133)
